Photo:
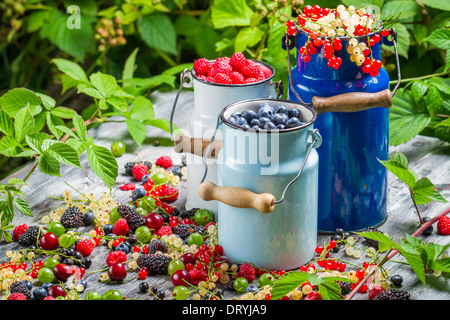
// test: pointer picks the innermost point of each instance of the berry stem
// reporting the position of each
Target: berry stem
(392, 253)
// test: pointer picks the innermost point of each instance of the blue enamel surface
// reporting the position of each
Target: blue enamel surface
(352, 183)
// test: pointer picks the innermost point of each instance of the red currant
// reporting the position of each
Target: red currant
(342, 267)
(385, 33)
(376, 37)
(307, 10)
(360, 274)
(291, 31)
(290, 23)
(317, 42)
(325, 11)
(374, 72)
(319, 249)
(316, 9)
(327, 45)
(367, 68)
(306, 58)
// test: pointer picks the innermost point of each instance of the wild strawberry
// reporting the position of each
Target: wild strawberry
(202, 66)
(238, 61)
(443, 226)
(85, 247)
(127, 187)
(164, 161)
(19, 230)
(222, 78)
(121, 227)
(115, 257)
(139, 170)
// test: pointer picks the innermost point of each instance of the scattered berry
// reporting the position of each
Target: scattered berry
(443, 226)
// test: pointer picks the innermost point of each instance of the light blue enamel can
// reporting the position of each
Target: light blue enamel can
(267, 190)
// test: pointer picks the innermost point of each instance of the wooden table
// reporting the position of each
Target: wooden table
(427, 156)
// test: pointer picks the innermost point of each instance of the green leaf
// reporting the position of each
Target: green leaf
(383, 240)
(94, 93)
(103, 164)
(64, 154)
(118, 102)
(434, 100)
(440, 265)
(162, 124)
(438, 197)
(287, 283)
(158, 32)
(247, 37)
(225, 13)
(14, 181)
(80, 127)
(23, 124)
(407, 8)
(130, 65)
(71, 69)
(330, 290)
(142, 109)
(423, 191)
(47, 101)
(437, 4)
(403, 40)
(137, 130)
(22, 206)
(63, 112)
(16, 99)
(445, 123)
(34, 144)
(440, 38)
(414, 261)
(104, 83)
(406, 119)
(49, 165)
(6, 124)
(400, 172)
(75, 42)
(419, 89)
(52, 123)
(8, 146)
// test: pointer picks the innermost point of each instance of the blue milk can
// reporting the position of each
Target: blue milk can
(352, 182)
(255, 168)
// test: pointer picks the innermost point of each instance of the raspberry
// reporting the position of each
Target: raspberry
(373, 293)
(49, 298)
(202, 66)
(247, 271)
(164, 161)
(443, 226)
(238, 61)
(127, 187)
(164, 230)
(222, 78)
(17, 296)
(313, 295)
(115, 257)
(19, 230)
(85, 247)
(253, 70)
(121, 227)
(237, 78)
(139, 170)
(170, 195)
(222, 66)
(197, 276)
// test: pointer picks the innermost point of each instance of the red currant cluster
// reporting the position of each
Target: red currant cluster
(371, 66)
(35, 267)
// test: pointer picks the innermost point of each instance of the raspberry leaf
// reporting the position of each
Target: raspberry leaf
(103, 164)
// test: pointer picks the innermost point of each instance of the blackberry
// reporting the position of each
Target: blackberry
(129, 167)
(346, 287)
(129, 213)
(30, 236)
(157, 245)
(191, 212)
(371, 242)
(185, 230)
(20, 287)
(72, 218)
(155, 263)
(391, 294)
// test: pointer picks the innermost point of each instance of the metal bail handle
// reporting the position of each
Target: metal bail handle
(288, 44)
(316, 142)
(184, 77)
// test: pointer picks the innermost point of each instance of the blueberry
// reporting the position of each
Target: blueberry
(269, 126)
(86, 262)
(252, 288)
(28, 284)
(46, 285)
(264, 104)
(40, 293)
(281, 126)
(107, 228)
(88, 218)
(397, 280)
(293, 122)
(263, 121)
(241, 121)
(83, 283)
(122, 247)
(280, 109)
(245, 126)
(428, 231)
(249, 115)
(255, 122)
(278, 119)
(265, 112)
(293, 112)
(235, 115)
(177, 171)
(165, 217)
(232, 120)
(256, 127)
(138, 193)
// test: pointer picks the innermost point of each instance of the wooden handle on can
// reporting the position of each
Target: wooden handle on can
(197, 146)
(237, 197)
(353, 101)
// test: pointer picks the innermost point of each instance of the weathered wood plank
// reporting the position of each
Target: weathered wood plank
(427, 156)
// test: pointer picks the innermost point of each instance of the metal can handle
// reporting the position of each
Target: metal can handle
(185, 81)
